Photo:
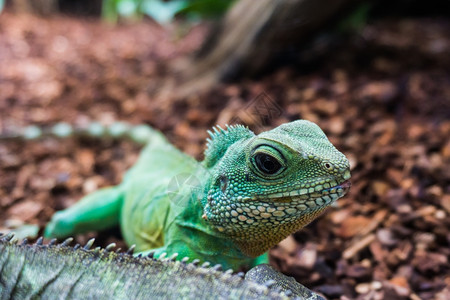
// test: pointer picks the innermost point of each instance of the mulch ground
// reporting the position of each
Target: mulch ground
(383, 98)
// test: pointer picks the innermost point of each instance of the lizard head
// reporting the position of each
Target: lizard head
(267, 186)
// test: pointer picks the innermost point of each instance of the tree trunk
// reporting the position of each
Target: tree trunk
(252, 33)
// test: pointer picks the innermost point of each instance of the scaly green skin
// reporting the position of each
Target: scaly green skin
(61, 272)
(249, 193)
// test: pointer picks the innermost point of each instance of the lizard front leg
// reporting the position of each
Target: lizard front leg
(97, 211)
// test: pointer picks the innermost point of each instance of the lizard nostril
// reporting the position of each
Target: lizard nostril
(328, 166)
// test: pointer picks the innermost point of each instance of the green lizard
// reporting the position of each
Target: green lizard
(250, 192)
(58, 271)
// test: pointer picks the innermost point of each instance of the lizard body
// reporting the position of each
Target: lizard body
(250, 192)
(58, 271)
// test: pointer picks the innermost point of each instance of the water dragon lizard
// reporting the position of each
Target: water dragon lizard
(250, 192)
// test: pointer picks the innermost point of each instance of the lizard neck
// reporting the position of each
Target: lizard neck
(204, 240)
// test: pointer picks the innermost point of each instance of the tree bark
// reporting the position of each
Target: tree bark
(252, 33)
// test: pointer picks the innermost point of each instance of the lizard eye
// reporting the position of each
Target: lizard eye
(267, 164)
(268, 160)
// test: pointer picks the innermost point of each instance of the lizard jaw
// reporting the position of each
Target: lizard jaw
(304, 196)
(344, 186)
(305, 199)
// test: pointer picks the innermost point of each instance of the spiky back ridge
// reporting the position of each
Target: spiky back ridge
(58, 271)
(221, 139)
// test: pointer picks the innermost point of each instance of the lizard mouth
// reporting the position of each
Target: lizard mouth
(312, 198)
(345, 186)
(342, 187)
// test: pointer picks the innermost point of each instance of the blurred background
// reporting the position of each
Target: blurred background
(375, 76)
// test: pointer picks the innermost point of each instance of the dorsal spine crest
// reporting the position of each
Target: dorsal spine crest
(221, 139)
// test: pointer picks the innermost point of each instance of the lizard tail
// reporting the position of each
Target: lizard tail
(139, 134)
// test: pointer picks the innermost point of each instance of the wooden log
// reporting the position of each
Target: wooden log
(252, 33)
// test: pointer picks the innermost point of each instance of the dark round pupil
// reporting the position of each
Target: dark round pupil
(267, 163)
